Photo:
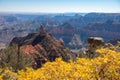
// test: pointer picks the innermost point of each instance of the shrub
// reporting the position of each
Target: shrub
(14, 58)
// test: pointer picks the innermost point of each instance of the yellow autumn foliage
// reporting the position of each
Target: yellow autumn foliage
(104, 67)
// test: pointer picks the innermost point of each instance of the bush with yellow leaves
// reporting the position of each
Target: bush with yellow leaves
(104, 67)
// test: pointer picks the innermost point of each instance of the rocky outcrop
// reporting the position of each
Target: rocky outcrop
(75, 42)
(93, 44)
(43, 45)
(95, 41)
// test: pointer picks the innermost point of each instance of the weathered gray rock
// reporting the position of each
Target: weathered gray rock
(95, 41)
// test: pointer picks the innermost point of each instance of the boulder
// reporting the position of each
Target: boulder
(95, 41)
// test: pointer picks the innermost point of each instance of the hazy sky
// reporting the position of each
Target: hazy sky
(60, 6)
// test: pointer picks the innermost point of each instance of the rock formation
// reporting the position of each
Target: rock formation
(75, 42)
(42, 45)
(42, 31)
(95, 41)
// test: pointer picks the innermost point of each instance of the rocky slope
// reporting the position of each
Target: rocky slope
(66, 33)
(107, 30)
(42, 45)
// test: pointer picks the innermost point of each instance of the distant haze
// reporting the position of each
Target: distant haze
(60, 6)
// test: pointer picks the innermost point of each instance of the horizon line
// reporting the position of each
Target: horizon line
(51, 12)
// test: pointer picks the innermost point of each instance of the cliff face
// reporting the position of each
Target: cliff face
(107, 30)
(66, 33)
(42, 45)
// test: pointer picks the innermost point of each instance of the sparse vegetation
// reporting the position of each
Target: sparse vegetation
(12, 57)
